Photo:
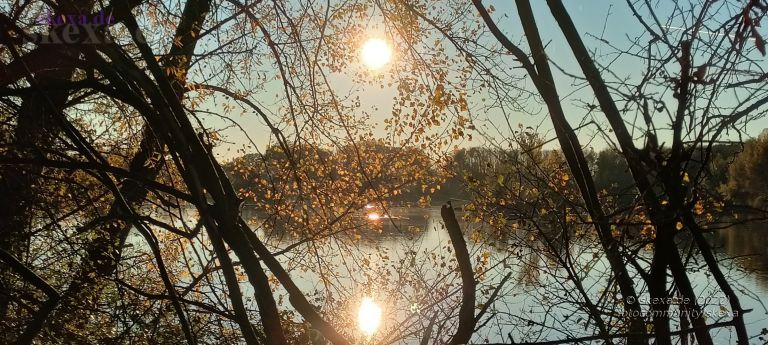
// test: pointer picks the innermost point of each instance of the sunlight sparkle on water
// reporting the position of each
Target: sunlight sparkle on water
(369, 316)
(375, 53)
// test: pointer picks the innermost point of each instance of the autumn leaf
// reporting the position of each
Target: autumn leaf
(698, 208)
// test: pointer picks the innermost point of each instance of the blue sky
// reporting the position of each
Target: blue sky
(609, 20)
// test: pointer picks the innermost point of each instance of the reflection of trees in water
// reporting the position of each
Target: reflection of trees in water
(747, 245)
(529, 267)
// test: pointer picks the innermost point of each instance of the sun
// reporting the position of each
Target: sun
(369, 316)
(375, 53)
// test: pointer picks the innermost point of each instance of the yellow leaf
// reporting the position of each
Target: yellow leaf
(698, 208)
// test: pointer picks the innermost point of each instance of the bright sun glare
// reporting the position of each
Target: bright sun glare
(369, 316)
(376, 53)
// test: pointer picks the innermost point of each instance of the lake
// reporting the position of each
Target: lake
(405, 263)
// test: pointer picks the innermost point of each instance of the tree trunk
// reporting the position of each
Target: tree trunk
(467, 310)
(36, 130)
(542, 77)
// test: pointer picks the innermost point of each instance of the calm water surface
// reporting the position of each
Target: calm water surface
(415, 241)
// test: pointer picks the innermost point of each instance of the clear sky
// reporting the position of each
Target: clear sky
(608, 20)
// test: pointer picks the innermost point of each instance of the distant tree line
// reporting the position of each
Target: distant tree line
(382, 172)
(733, 174)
